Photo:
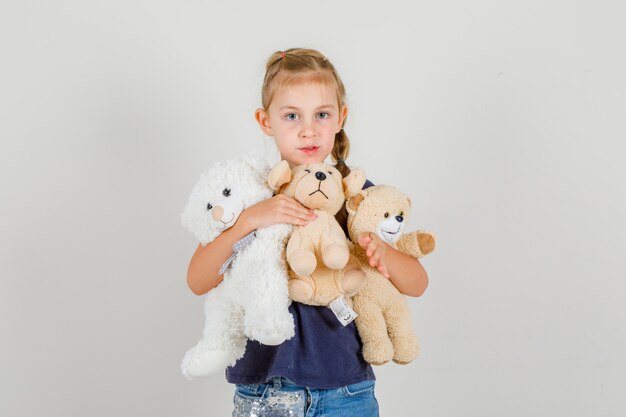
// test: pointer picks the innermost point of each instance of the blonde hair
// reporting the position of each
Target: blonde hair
(296, 65)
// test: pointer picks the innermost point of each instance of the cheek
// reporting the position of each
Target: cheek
(280, 127)
(329, 125)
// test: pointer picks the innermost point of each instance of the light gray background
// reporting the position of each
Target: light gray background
(503, 120)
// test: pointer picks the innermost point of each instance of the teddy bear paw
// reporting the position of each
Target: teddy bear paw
(303, 263)
(378, 352)
(300, 291)
(426, 242)
(335, 256)
(274, 332)
(406, 349)
(201, 363)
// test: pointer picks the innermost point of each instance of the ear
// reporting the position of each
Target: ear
(263, 119)
(342, 117)
(410, 202)
(353, 203)
(279, 175)
(353, 183)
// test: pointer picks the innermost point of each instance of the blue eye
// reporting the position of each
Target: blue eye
(291, 114)
(327, 115)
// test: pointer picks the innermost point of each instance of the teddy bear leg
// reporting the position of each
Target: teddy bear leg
(353, 277)
(405, 343)
(300, 290)
(267, 318)
(201, 360)
(302, 262)
(274, 329)
(335, 256)
(377, 348)
(300, 254)
(222, 342)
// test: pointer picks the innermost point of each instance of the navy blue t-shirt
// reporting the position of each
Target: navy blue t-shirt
(322, 354)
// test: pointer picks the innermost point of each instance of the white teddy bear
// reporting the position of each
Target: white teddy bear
(252, 301)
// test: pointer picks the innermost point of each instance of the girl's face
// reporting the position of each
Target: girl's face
(303, 119)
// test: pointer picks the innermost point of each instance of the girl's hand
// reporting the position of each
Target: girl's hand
(375, 249)
(277, 209)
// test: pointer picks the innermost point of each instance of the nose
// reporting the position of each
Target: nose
(217, 213)
(399, 219)
(308, 129)
(320, 175)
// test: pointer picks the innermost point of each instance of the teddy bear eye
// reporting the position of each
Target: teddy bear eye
(386, 215)
(401, 213)
(209, 206)
(308, 170)
(226, 192)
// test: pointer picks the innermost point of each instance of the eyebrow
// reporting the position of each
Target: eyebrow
(330, 106)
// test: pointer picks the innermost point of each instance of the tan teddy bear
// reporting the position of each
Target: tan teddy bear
(321, 266)
(384, 320)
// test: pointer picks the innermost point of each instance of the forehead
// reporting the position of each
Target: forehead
(304, 95)
(384, 199)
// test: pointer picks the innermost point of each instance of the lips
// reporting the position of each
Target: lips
(309, 150)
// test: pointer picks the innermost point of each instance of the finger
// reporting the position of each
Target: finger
(374, 260)
(383, 270)
(291, 219)
(297, 221)
(298, 204)
(372, 248)
(305, 211)
(364, 237)
(364, 244)
(377, 256)
(294, 211)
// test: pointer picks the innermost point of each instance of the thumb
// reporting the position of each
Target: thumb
(364, 238)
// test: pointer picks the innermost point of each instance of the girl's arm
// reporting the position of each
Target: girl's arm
(202, 273)
(404, 271)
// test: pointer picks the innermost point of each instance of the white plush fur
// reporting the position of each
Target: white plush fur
(252, 301)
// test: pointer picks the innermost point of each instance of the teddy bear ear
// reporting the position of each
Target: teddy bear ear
(353, 203)
(409, 200)
(353, 183)
(279, 175)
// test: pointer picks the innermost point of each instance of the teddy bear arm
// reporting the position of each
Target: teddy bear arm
(409, 245)
(416, 244)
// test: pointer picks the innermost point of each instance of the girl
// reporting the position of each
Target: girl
(320, 371)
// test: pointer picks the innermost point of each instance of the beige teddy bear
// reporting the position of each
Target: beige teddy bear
(384, 320)
(318, 254)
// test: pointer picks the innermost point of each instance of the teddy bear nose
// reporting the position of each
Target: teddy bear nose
(399, 219)
(320, 175)
(217, 213)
